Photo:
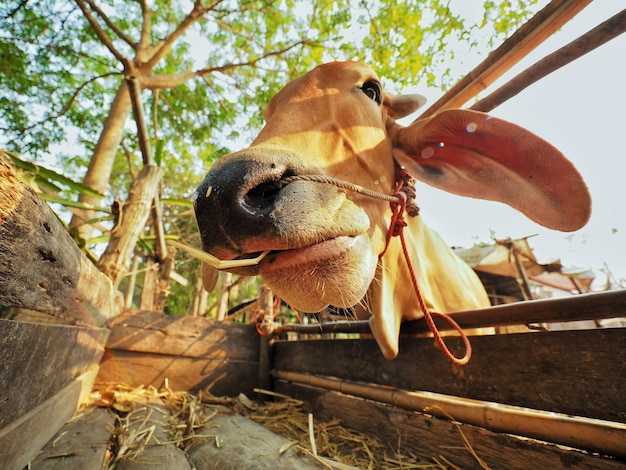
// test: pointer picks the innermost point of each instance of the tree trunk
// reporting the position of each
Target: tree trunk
(101, 164)
(131, 222)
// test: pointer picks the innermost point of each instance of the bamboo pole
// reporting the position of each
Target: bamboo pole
(589, 41)
(545, 23)
(596, 435)
(596, 306)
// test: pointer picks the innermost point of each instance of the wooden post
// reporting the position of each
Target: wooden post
(528, 295)
(131, 222)
(41, 268)
(163, 278)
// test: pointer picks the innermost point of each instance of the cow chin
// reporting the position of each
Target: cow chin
(335, 272)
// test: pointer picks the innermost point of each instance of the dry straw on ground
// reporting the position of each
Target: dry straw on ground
(329, 443)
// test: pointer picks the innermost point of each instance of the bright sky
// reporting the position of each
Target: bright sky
(581, 109)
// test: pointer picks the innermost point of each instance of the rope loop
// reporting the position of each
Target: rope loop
(428, 315)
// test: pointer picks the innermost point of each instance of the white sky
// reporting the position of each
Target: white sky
(581, 109)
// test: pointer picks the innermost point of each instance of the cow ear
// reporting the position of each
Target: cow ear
(473, 154)
(399, 106)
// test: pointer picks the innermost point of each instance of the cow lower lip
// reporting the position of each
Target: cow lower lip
(324, 251)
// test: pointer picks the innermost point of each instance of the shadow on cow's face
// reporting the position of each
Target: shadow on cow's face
(324, 243)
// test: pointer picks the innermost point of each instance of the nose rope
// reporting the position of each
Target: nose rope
(340, 184)
(402, 176)
(403, 199)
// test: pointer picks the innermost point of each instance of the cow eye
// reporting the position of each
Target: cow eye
(372, 90)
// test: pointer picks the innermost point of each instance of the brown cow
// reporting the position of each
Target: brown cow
(325, 241)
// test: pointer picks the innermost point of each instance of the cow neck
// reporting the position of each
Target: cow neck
(396, 229)
(401, 201)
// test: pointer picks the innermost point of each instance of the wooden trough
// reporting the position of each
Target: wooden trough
(85, 384)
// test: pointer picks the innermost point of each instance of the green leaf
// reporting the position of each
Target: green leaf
(71, 203)
(158, 152)
(44, 175)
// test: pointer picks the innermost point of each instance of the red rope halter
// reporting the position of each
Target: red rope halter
(396, 229)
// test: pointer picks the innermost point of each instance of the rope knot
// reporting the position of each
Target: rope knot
(397, 214)
(405, 183)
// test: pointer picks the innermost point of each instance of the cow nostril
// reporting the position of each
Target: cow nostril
(262, 197)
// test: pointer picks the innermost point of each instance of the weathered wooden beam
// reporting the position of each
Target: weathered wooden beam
(41, 268)
(160, 452)
(38, 360)
(193, 353)
(540, 27)
(570, 372)
(434, 439)
(22, 440)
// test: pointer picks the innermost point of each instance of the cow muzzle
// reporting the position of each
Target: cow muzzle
(318, 238)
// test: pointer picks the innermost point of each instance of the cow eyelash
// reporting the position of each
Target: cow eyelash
(373, 91)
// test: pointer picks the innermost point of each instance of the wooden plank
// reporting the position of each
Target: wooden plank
(79, 445)
(41, 268)
(597, 306)
(432, 438)
(545, 23)
(221, 376)
(193, 353)
(245, 445)
(38, 360)
(22, 440)
(146, 331)
(571, 372)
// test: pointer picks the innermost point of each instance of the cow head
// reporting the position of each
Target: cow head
(325, 242)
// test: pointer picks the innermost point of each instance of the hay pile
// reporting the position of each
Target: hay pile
(147, 417)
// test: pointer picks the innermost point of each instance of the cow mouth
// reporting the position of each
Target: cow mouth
(325, 251)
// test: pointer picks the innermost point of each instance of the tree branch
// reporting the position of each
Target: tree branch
(146, 25)
(159, 82)
(102, 35)
(69, 104)
(197, 12)
(118, 32)
(224, 68)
